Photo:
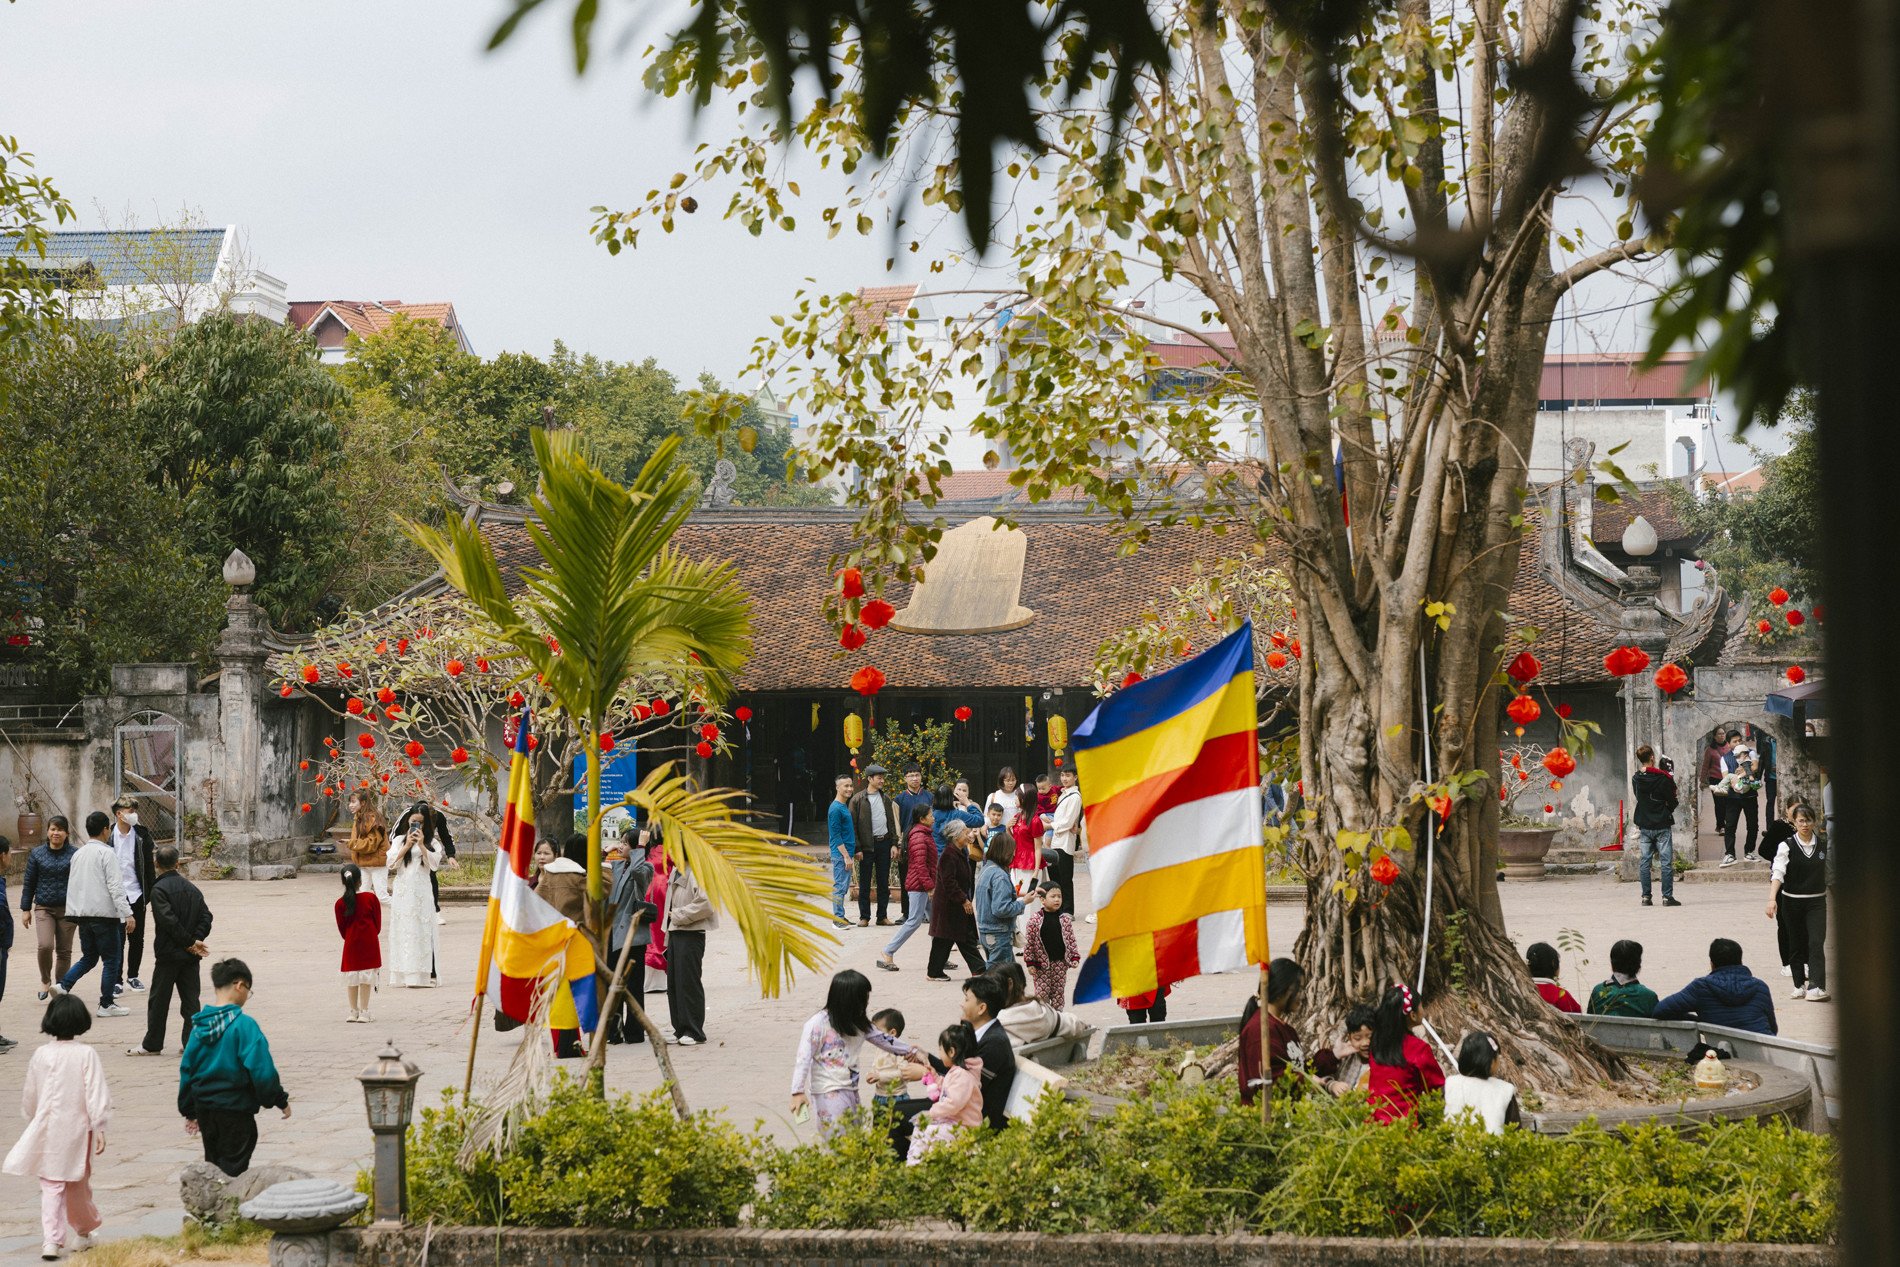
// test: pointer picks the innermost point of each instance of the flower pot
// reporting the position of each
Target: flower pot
(1522, 850)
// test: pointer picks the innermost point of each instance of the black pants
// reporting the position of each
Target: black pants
(1157, 1011)
(908, 1110)
(621, 1025)
(685, 991)
(135, 940)
(1806, 921)
(1724, 811)
(1062, 873)
(230, 1137)
(874, 862)
(1741, 807)
(940, 948)
(169, 975)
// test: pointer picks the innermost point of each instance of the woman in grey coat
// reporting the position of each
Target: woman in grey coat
(632, 917)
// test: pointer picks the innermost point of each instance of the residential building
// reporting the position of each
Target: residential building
(1662, 417)
(172, 276)
(332, 321)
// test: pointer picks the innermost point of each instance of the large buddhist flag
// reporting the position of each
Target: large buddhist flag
(1170, 778)
(525, 940)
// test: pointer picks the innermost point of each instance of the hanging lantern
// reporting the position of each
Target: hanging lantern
(743, 713)
(1523, 710)
(459, 756)
(704, 749)
(354, 706)
(962, 712)
(606, 742)
(853, 732)
(1276, 660)
(851, 583)
(311, 673)
(868, 681)
(1523, 667)
(1670, 679)
(414, 749)
(1797, 674)
(1559, 762)
(286, 691)
(876, 614)
(1058, 734)
(1626, 661)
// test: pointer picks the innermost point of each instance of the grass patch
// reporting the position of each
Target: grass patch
(240, 1241)
(472, 870)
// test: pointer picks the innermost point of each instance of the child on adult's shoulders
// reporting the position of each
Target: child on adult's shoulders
(1543, 962)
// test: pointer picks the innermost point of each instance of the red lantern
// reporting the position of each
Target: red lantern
(1820, 613)
(703, 748)
(708, 730)
(311, 673)
(534, 741)
(1795, 617)
(867, 681)
(876, 614)
(1797, 674)
(851, 638)
(1296, 648)
(1384, 870)
(305, 808)
(459, 756)
(1523, 710)
(661, 708)
(1559, 762)
(1523, 667)
(743, 713)
(1441, 805)
(516, 699)
(353, 706)
(1550, 809)
(1626, 661)
(1277, 638)
(303, 765)
(394, 710)
(385, 696)
(1670, 679)
(962, 713)
(382, 646)
(344, 670)
(414, 749)
(641, 712)
(366, 742)
(1777, 596)
(606, 743)
(286, 690)
(554, 645)
(454, 668)
(851, 583)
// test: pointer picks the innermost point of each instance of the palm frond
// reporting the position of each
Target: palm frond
(771, 891)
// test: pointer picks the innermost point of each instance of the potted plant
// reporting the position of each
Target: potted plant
(1524, 832)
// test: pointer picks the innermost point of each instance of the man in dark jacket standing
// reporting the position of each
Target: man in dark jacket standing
(180, 923)
(874, 818)
(1655, 819)
(133, 843)
(1730, 995)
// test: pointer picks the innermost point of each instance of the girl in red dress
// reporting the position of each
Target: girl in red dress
(1403, 1068)
(359, 917)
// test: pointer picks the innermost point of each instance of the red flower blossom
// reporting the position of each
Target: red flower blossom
(1670, 679)
(1523, 667)
(1276, 660)
(606, 742)
(1385, 871)
(385, 696)
(851, 583)
(354, 706)
(414, 749)
(1762, 626)
(962, 713)
(516, 699)
(1523, 710)
(402, 646)
(1626, 661)
(1797, 674)
(311, 673)
(1795, 617)
(1564, 711)
(707, 730)
(1777, 596)
(703, 748)
(459, 756)
(851, 638)
(554, 644)
(1130, 680)
(344, 670)
(481, 664)
(661, 708)
(876, 614)
(1559, 762)
(454, 668)
(286, 690)
(305, 807)
(743, 713)
(366, 742)
(867, 681)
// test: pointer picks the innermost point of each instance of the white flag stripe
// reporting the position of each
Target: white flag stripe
(1198, 830)
(1223, 942)
(522, 909)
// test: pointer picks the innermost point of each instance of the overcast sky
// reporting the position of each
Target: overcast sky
(374, 151)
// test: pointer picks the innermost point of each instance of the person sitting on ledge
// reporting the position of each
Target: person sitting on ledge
(1543, 962)
(1623, 994)
(1028, 1019)
(1730, 995)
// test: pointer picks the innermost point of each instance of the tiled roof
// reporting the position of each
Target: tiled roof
(366, 317)
(1654, 503)
(134, 257)
(1749, 481)
(876, 305)
(1076, 583)
(1617, 376)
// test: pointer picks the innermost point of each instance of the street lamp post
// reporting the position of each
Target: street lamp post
(389, 1093)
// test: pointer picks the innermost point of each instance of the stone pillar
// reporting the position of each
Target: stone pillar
(241, 685)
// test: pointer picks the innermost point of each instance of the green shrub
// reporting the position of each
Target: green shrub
(851, 1180)
(586, 1161)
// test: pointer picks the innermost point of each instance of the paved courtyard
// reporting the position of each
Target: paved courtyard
(286, 932)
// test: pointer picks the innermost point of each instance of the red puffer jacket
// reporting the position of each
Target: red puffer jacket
(920, 865)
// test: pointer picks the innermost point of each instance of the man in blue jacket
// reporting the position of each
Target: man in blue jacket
(1730, 995)
(227, 1074)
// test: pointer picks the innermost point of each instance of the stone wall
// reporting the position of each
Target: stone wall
(547, 1247)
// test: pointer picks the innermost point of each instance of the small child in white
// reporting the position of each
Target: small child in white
(67, 1107)
(1472, 1090)
(885, 1071)
(959, 1105)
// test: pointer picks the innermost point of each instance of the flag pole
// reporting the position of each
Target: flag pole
(1266, 1056)
(474, 1036)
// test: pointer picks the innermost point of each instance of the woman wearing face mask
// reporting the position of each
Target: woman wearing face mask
(43, 898)
(411, 909)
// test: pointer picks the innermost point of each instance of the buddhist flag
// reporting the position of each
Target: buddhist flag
(1170, 778)
(525, 940)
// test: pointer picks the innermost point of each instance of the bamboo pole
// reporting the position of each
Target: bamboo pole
(1266, 1055)
(597, 1050)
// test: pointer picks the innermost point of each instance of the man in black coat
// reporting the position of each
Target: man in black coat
(180, 923)
(984, 995)
(879, 830)
(132, 841)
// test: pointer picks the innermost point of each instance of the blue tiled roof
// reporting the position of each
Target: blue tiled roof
(134, 257)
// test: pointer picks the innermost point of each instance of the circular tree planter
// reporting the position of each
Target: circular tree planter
(1522, 850)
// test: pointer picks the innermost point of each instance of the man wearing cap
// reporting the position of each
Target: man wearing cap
(133, 844)
(874, 818)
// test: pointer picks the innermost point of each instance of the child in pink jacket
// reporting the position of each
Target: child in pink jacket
(67, 1108)
(959, 1105)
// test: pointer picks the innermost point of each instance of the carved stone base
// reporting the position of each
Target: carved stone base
(314, 1249)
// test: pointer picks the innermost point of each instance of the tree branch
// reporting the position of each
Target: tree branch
(1621, 253)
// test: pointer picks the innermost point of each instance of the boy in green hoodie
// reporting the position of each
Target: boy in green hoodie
(226, 1074)
(1623, 994)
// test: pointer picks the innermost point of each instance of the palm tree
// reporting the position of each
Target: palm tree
(611, 601)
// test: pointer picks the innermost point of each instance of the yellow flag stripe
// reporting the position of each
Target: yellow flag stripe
(1187, 891)
(1169, 745)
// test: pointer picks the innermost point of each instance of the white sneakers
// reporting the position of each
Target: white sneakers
(1786, 971)
(140, 1050)
(114, 1010)
(358, 1018)
(1728, 861)
(1817, 995)
(1799, 992)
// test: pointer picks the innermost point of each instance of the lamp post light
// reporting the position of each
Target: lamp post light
(1639, 539)
(389, 1093)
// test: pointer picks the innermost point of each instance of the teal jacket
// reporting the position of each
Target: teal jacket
(227, 1065)
(1611, 998)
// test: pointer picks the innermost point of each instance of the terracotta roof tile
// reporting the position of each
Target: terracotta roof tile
(876, 305)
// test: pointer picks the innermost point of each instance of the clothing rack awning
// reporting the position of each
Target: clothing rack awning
(1804, 702)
